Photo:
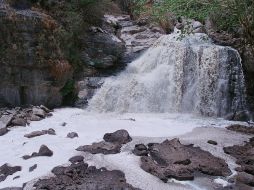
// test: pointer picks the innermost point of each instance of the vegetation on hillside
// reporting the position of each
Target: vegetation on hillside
(234, 16)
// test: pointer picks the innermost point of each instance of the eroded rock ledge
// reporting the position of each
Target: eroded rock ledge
(171, 159)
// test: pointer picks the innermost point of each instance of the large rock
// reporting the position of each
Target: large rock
(6, 170)
(101, 148)
(242, 129)
(244, 155)
(171, 159)
(5, 119)
(81, 177)
(120, 137)
(40, 133)
(112, 144)
(43, 151)
(33, 69)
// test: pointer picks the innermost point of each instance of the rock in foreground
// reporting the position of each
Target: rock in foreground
(79, 176)
(171, 159)
(249, 130)
(44, 151)
(6, 170)
(245, 158)
(120, 137)
(40, 133)
(112, 144)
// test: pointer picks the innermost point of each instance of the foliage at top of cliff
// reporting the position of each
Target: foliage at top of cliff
(227, 15)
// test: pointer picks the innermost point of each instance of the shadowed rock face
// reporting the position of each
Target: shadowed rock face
(81, 177)
(33, 69)
(171, 159)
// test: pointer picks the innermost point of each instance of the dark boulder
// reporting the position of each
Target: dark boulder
(171, 159)
(249, 130)
(244, 155)
(80, 176)
(32, 168)
(212, 142)
(40, 133)
(101, 148)
(6, 170)
(112, 144)
(140, 150)
(72, 135)
(120, 137)
(43, 151)
(76, 159)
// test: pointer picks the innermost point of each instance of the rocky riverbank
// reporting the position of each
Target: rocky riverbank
(18, 116)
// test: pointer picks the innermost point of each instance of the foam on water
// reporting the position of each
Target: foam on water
(189, 75)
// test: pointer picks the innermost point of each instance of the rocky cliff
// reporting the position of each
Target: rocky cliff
(46, 46)
(33, 67)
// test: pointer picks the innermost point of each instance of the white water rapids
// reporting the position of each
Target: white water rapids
(189, 75)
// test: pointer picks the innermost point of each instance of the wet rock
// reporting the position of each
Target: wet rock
(39, 112)
(120, 137)
(35, 118)
(32, 168)
(130, 33)
(112, 144)
(6, 170)
(238, 116)
(245, 178)
(76, 159)
(101, 148)
(3, 131)
(79, 176)
(45, 109)
(140, 150)
(249, 130)
(44, 151)
(212, 142)
(59, 170)
(171, 159)
(244, 155)
(19, 122)
(40, 133)
(21, 116)
(5, 119)
(72, 135)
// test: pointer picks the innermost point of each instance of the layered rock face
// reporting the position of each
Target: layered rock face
(32, 66)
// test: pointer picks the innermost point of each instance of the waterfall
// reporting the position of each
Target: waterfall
(187, 74)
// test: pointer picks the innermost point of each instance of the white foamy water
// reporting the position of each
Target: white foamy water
(91, 128)
(190, 75)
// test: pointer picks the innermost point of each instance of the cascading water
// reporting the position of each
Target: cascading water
(189, 75)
